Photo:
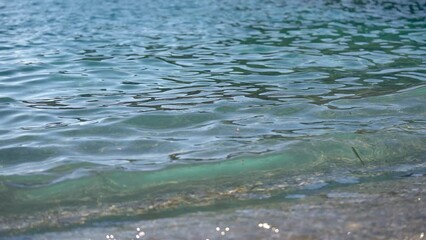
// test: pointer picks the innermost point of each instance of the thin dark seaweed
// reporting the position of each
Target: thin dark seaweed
(357, 155)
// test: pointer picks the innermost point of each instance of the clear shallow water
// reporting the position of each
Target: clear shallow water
(121, 101)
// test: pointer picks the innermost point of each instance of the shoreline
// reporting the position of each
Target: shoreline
(389, 209)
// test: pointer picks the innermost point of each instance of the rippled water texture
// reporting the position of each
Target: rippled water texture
(112, 97)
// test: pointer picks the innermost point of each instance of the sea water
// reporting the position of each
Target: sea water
(123, 110)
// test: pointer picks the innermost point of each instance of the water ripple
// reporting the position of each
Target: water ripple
(165, 82)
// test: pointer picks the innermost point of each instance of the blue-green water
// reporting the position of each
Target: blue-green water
(124, 103)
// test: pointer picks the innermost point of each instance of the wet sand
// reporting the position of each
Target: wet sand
(391, 209)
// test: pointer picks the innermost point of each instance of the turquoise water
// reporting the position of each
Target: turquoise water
(105, 105)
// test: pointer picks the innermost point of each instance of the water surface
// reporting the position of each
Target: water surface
(124, 103)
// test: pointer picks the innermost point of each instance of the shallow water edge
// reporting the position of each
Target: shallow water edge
(378, 209)
(289, 177)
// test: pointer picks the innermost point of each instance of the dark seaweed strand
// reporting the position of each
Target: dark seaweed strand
(357, 155)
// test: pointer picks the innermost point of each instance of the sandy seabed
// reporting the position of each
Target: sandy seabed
(391, 209)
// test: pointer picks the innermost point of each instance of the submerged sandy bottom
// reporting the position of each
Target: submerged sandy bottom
(391, 209)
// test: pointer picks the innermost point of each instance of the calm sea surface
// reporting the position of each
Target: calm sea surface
(122, 109)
